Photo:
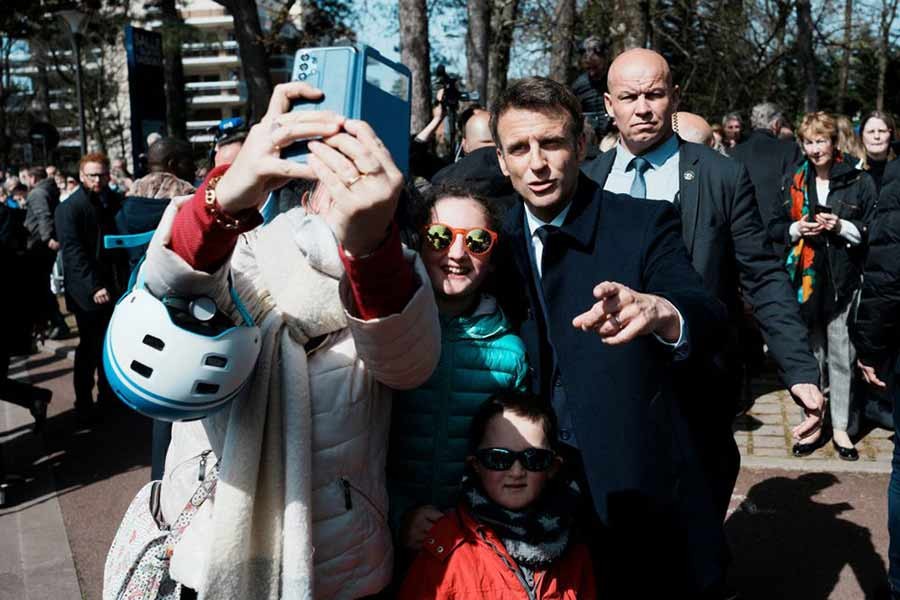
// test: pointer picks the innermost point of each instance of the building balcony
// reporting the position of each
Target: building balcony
(217, 100)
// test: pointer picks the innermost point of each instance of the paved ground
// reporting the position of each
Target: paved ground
(801, 529)
(764, 436)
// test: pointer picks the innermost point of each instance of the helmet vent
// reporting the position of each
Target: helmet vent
(141, 369)
(206, 388)
(154, 342)
(216, 360)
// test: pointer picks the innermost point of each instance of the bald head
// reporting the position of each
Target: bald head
(640, 64)
(477, 133)
(641, 98)
(692, 128)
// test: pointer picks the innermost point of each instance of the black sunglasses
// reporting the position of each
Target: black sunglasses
(502, 459)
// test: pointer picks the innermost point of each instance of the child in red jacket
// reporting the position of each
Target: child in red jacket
(510, 536)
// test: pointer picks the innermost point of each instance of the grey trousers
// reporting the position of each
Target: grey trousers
(837, 357)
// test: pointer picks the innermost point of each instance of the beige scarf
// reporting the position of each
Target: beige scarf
(260, 540)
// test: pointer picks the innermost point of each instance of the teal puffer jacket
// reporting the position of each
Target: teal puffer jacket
(430, 425)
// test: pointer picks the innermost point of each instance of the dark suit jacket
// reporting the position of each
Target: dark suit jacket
(768, 159)
(640, 466)
(81, 222)
(729, 247)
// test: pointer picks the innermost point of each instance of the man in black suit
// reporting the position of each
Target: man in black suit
(612, 303)
(94, 277)
(728, 247)
(767, 159)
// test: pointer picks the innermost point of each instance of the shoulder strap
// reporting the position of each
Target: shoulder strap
(206, 490)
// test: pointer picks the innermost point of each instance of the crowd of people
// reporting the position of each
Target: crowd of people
(511, 374)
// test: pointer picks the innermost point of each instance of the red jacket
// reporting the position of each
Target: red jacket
(463, 559)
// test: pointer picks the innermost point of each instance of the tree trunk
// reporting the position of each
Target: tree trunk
(844, 74)
(254, 59)
(806, 56)
(888, 12)
(176, 105)
(478, 35)
(629, 25)
(563, 34)
(503, 22)
(415, 53)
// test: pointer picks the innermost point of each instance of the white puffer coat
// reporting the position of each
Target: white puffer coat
(349, 374)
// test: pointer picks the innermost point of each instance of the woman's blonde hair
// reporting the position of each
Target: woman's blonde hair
(848, 142)
(818, 123)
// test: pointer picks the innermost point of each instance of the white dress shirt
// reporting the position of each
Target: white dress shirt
(661, 178)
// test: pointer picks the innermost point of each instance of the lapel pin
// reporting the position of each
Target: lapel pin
(688, 175)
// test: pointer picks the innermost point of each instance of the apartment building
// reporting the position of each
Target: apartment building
(212, 69)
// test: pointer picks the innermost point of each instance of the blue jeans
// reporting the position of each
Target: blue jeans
(894, 500)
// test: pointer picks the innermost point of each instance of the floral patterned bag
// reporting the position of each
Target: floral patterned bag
(137, 566)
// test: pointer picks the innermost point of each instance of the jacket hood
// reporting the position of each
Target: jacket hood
(487, 320)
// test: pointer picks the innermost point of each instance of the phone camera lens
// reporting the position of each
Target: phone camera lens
(304, 57)
(301, 76)
(304, 66)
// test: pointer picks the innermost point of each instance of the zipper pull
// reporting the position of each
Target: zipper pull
(201, 475)
(348, 502)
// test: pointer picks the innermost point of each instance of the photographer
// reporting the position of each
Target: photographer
(424, 162)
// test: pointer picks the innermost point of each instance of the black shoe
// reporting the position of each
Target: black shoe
(848, 454)
(800, 450)
(39, 408)
(60, 332)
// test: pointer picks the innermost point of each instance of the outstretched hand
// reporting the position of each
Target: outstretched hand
(810, 399)
(622, 314)
(870, 375)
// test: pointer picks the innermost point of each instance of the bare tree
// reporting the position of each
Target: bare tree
(630, 25)
(477, 45)
(254, 58)
(504, 14)
(415, 54)
(563, 34)
(176, 106)
(806, 56)
(844, 73)
(885, 23)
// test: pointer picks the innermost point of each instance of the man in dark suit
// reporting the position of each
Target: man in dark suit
(94, 277)
(728, 247)
(612, 302)
(767, 159)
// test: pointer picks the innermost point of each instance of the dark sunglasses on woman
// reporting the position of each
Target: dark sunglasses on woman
(478, 241)
(502, 459)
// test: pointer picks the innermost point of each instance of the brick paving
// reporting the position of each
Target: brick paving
(763, 435)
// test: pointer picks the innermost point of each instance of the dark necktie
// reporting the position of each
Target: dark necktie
(638, 186)
(544, 232)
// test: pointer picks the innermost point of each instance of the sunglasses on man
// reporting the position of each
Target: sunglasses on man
(478, 241)
(502, 459)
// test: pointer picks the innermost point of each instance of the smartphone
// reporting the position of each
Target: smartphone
(358, 83)
(823, 209)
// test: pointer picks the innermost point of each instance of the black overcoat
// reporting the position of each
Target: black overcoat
(641, 468)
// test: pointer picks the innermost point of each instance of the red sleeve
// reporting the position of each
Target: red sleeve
(198, 239)
(382, 283)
